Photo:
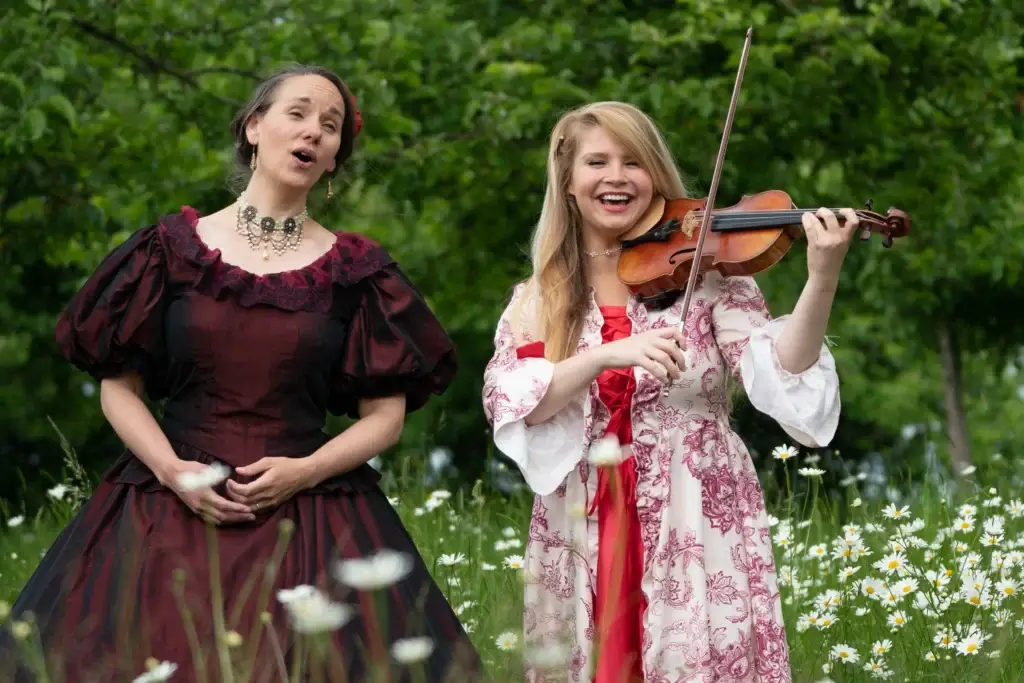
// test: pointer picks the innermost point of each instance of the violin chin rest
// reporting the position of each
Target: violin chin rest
(650, 219)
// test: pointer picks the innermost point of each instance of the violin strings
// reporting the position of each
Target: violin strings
(753, 219)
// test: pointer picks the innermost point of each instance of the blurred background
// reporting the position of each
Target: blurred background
(115, 113)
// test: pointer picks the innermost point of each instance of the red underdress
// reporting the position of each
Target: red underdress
(619, 602)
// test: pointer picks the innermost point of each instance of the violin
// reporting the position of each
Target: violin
(743, 239)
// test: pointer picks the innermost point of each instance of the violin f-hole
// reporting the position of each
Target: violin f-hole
(672, 257)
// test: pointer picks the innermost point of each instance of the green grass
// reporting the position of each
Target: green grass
(825, 612)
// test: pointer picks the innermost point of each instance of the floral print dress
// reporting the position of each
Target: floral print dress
(710, 608)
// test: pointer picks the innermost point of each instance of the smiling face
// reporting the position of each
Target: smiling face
(611, 187)
(298, 137)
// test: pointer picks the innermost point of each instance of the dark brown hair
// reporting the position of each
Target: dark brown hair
(263, 97)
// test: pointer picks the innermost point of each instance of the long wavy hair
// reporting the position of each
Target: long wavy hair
(558, 286)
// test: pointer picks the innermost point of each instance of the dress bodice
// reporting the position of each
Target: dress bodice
(250, 365)
(616, 385)
(263, 375)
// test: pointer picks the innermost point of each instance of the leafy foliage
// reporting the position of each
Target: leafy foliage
(112, 115)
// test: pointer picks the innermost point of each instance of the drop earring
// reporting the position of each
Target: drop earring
(330, 191)
(252, 158)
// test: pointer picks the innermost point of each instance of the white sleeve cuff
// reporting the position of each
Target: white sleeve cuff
(806, 405)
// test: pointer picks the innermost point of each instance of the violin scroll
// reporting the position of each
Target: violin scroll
(895, 223)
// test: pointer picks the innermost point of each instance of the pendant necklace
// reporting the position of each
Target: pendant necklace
(264, 231)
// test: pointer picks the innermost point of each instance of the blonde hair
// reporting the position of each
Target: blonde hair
(558, 286)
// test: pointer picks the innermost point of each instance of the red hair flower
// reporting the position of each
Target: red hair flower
(358, 116)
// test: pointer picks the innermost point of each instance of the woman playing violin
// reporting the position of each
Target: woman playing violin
(650, 560)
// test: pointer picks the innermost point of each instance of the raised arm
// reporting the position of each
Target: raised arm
(827, 243)
(806, 403)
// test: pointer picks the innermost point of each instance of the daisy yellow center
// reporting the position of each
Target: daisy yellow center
(893, 564)
(972, 647)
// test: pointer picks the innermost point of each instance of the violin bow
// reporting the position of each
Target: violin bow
(710, 203)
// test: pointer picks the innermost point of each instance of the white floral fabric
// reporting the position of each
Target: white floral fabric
(713, 609)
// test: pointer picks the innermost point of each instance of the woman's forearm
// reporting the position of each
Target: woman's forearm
(122, 404)
(378, 428)
(571, 377)
(799, 344)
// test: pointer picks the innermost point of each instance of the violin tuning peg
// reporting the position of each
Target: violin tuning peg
(887, 240)
(869, 205)
(865, 234)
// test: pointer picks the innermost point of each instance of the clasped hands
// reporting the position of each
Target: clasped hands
(275, 480)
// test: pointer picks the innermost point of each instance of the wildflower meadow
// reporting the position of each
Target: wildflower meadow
(907, 590)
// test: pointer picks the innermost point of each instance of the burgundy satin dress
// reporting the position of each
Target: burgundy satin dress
(247, 367)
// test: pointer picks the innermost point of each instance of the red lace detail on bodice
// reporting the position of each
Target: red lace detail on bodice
(352, 258)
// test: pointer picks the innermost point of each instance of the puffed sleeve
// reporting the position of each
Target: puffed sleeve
(515, 380)
(395, 345)
(114, 324)
(806, 405)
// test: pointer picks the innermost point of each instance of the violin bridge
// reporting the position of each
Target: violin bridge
(690, 224)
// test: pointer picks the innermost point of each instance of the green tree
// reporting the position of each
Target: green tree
(111, 115)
